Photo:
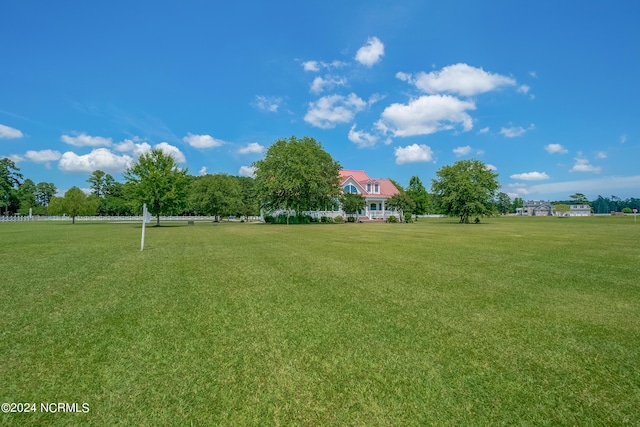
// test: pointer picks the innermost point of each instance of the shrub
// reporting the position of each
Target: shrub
(323, 219)
(392, 219)
(626, 210)
(268, 219)
(408, 218)
(338, 219)
(329, 220)
(351, 219)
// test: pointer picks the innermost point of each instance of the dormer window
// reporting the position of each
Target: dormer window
(377, 189)
(368, 188)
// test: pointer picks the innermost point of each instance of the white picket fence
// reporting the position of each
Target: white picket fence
(118, 218)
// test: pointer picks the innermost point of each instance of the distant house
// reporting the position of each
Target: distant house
(376, 191)
(536, 208)
(579, 210)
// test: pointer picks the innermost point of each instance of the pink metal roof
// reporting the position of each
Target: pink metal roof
(387, 189)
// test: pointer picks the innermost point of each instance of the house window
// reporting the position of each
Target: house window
(368, 188)
(374, 207)
(377, 189)
(350, 189)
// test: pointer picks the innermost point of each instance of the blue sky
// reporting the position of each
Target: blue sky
(545, 92)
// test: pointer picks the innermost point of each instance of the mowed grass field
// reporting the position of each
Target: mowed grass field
(515, 321)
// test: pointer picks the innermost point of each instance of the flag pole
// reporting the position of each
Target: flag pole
(144, 221)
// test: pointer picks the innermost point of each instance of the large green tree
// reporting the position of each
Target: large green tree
(100, 183)
(74, 203)
(503, 203)
(157, 181)
(298, 175)
(249, 205)
(419, 195)
(44, 192)
(466, 189)
(218, 195)
(10, 179)
(403, 203)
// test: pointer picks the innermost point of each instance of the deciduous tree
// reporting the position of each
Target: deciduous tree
(218, 195)
(403, 203)
(465, 189)
(419, 195)
(74, 203)
(352, 203)
(10, 178)
(297, 175)
(158, 181)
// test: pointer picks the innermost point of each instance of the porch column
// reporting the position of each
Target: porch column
(383, 209)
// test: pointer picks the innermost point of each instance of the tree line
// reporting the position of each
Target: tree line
(296, 175)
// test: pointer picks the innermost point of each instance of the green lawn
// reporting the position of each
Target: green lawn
(525, 321)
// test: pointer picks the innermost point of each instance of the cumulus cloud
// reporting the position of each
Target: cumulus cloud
(172, 151)
(523, 89)
(16, 158)
(267, 103)
(583, 165)
(484, 130)
(555, 148)
(371, 52)
(361, 138)
(7, 132)
(426, 115)
(249, 171)
(328, 111)
(202, 141)
(515, 131)
(251, 148)
(462, 151)
(311, 66)
(413, 153)
(530, 176)
(460, 79)
(131, 146)
(202, 171)
(319, 84)
(99, 158)
(43, 156)
(491, 167)
(84, 140)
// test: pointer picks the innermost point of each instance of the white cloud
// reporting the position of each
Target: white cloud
(515, 131)
(99, 158)
(462, 151)
(84, 140)
(484, 130)
(533, 74)
(623, 139)
(555, 148)
(361, 138)
(530, 176)
(251, 148)
(130, 146)
(315, 66)
(523, 89)
(328, 111)
(7, 132)
(328, 82)
(202, 171)
(311, 66)
(371, 52)
(43, 156)
(601, 155)
(583, 165)
(247, 171)
(426, 115)
(202, 141)
(172, 151)
(491, 167)
(460, 79)
(16, 158)
(267, 103)
(413, 153)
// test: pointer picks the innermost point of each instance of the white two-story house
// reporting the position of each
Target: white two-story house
(376, 191)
